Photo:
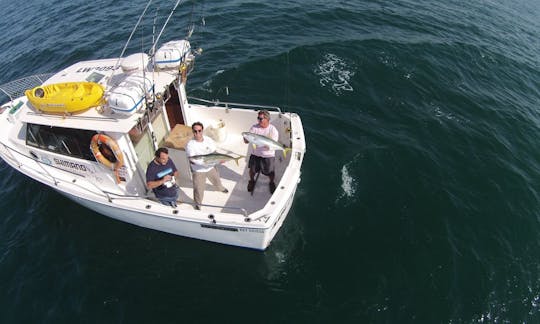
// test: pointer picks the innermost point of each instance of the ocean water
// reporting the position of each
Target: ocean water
(419, 200)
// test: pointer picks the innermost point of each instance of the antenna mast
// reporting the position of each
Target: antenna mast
(165, 25)
(131, 35)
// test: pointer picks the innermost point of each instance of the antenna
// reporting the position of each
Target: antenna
(165, 25)
(131, 35)
(154, 30)
(191, 25)
(152, 52)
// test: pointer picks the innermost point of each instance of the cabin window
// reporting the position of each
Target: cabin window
(66, 141)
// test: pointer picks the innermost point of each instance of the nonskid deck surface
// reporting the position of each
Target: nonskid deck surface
(235, 178)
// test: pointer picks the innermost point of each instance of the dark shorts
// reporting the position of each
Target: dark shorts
(261, 164)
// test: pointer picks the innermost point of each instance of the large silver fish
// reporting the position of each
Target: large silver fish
(260, 140)
(213, 159)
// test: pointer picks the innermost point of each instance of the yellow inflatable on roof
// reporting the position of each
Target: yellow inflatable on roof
(67, 97)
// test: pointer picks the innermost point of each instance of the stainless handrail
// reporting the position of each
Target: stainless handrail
(56, 180)
(242, 210)
(10, 150)
(235, 104)
(62, 117)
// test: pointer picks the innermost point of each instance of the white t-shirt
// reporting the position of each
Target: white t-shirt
(270, 132)
(193, 148)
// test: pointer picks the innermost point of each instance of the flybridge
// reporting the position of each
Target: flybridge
(82, 71)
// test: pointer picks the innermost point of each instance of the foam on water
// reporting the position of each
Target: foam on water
(387, 60)
(335, 72)
(348, 184)
(440, 114)
(207, 86)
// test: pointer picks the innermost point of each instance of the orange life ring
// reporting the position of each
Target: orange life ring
(108, 141)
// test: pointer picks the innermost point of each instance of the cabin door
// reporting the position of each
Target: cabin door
(172, 106)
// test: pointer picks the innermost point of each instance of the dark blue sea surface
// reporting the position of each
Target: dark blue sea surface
(419, 200)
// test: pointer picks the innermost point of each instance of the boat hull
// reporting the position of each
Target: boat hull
(242, 236)
(201, 227)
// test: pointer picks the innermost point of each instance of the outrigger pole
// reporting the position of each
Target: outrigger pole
(165, 25)
(131, 35)
(129, 39)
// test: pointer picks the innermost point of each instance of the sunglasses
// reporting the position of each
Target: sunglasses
(260, 118)
(197, 131)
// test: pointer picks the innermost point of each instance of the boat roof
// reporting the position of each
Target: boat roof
(106, 72)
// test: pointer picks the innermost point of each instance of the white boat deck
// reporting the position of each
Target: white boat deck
(235, 178)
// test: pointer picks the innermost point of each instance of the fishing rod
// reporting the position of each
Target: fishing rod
(165, 25)
(131, 35)
(191, 25)
(153, 59)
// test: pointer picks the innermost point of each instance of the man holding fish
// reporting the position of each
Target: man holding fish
(263, 136)
(203, 160)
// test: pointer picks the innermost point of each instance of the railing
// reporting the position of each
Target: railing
(109, 195)
(16, 89)
(234, 104)
(46, 173)
(240, 210)
(79, 117)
